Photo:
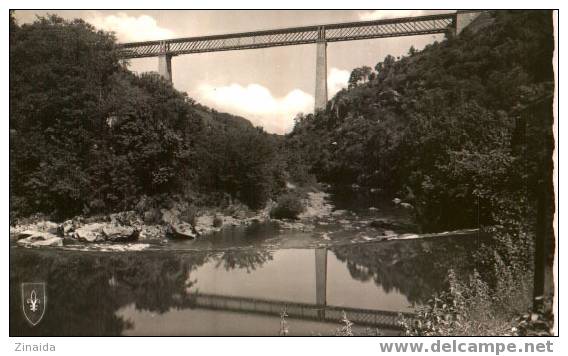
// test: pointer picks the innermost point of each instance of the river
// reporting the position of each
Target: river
(239, 281)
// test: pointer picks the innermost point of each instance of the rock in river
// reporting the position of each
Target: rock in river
(39, 238)
(120, 233)
(67, 228)
(182, 230)
(90, 232)
(383, 224)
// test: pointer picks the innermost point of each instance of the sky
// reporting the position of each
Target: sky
(267, 86)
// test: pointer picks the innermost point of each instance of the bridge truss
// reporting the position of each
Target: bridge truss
(304, 311)
(408, 26)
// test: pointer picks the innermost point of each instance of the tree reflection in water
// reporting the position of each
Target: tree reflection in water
(86, 289)
(415, 268)
(249, 259)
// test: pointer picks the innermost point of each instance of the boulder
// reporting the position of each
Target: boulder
(39, 238)
(120, 233)
(408, 236)
(382, 224)
(153, 232)
(182, 230)
(127, 218)
(152, 216)
(47, 226)
(90, 233)
(38, 226)
(239, 214)
(94, 219)
(32, 234)
(204, 224)
(338, 212)
(67, 228)
(170, 216)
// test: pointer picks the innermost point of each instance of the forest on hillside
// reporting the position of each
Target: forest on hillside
(450, 129)
(461, 130)
(87, 136)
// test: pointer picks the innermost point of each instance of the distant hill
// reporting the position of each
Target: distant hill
(213, 118)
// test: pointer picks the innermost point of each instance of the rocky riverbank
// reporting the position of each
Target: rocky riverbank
(319, 223)
(131, 226)
(128, 227)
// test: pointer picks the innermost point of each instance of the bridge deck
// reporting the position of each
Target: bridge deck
(306, 311)
(408, 26)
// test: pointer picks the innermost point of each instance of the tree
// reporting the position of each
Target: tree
(385, 67)
(360, 74)
(412, 51)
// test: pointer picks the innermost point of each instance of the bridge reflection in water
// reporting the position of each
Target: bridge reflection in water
(318, 311)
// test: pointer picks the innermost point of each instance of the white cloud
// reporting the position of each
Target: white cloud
(337, 79)
(389, 14)
(257, 104)
(131, 28)
(392, 14)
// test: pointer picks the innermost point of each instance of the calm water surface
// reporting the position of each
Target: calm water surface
(236, 283)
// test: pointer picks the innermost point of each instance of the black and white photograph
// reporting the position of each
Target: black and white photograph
(283, 172)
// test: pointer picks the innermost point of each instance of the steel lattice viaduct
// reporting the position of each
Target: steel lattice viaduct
(451, 24)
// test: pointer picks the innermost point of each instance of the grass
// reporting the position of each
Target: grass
(472, 308)
(346, 328)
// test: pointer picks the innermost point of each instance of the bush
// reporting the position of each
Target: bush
(189, 215)
(467, 308)
(289, 206)
(152, 216)
(217, 221)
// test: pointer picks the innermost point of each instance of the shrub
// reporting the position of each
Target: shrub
(468, 308)
(289, 206)
(346, 328)
(152, 216)
(189, 214)
(217, 221)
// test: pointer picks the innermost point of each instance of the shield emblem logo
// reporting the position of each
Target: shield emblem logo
(34, 300)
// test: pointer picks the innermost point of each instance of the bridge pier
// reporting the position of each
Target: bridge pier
(321, 280)
(464, 18)
(165, 66)
(321, 71)
(165, 61)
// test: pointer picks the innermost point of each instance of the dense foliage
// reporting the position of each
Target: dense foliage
(446, 128)
(462, 131)
(88, 136)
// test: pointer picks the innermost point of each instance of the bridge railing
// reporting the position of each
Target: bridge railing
(408, 26)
